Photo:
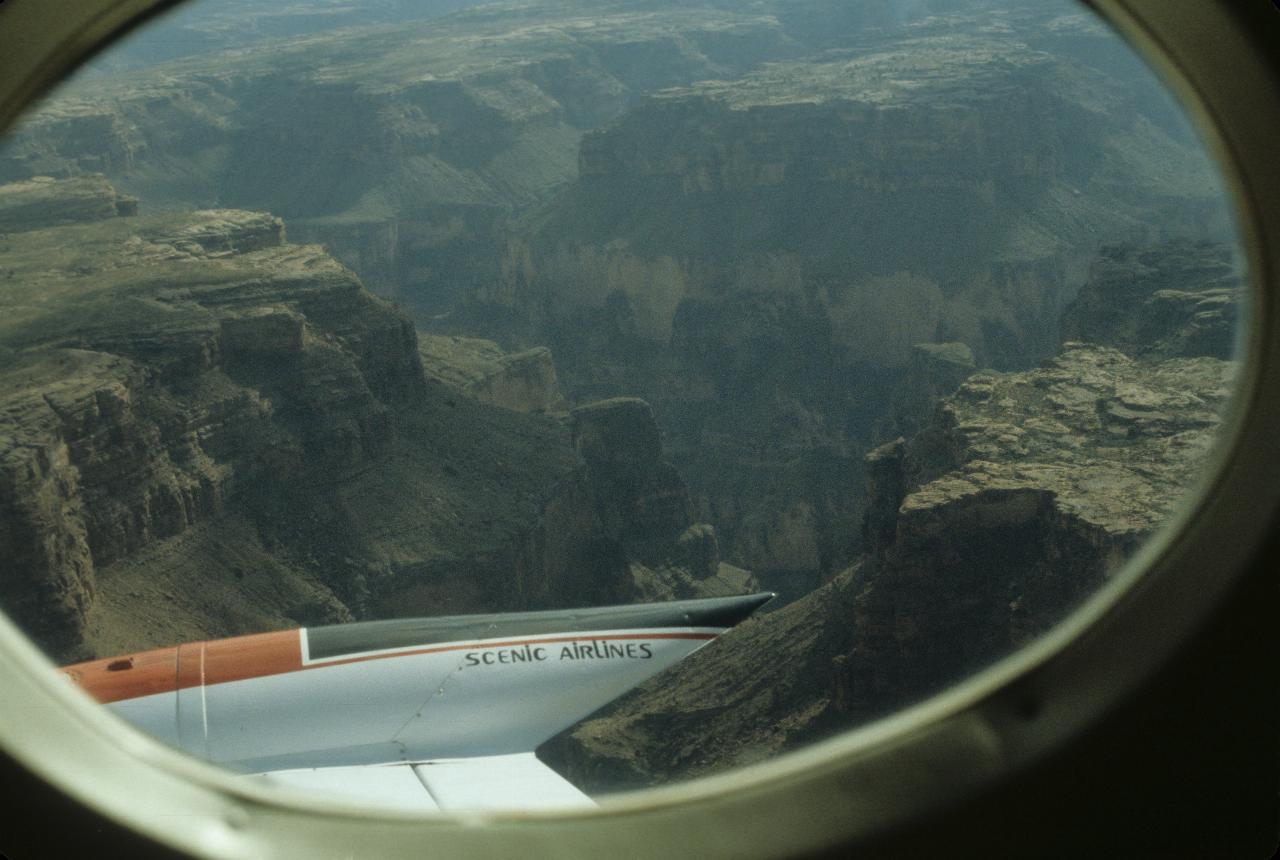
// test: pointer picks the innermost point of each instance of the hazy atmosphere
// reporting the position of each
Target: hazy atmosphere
(921, 314)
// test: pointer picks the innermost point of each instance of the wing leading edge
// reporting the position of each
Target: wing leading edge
(428, 713)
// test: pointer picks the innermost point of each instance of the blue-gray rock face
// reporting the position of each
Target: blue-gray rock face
(622, 527)
(1180, 298)
(1021, 496)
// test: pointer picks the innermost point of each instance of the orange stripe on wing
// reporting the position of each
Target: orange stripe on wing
(166, 670)
(261, 655)
(127, 677)
(252, 656)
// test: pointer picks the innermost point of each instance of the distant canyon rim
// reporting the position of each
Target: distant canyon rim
(922, 315)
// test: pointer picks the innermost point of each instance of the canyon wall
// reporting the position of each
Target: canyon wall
(157, 369)
(206, 430)
(683, 276)
(523, 381)
(748, 218)
(410, 150)
(622, 526)
(760, 257)
(1021, 496)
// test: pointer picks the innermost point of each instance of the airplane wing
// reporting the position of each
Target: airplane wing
(515, 781)
(419, 713)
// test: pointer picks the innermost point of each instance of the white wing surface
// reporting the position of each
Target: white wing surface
(517, 781)
(500, 782)
(424, 714)
(388, 786)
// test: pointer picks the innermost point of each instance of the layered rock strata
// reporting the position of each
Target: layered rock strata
(621, 528)
(937, 177)
(194, 415)
(206, 430)
(409, 151)
(42, 201)
(1022, 496)
(1180, 298)
(1027, 493)
(760, 256)
(935, 183)
(155, 371)
(523, 381)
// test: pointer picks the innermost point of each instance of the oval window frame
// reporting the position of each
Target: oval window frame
(853, 787)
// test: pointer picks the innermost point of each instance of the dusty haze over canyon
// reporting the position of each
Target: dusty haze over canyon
(922, 314)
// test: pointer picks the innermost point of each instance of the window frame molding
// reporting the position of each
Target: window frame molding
(893, 773)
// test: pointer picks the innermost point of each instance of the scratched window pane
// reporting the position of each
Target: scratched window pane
(422, 384)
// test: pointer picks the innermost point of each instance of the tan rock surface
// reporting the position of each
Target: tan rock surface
(1021, 497)
(43, 201)
(523, 381)
(205, 430)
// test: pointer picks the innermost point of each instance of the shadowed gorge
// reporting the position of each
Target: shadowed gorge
(1016, 500)
(921, 314)
(209, 430)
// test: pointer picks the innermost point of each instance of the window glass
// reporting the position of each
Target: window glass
(921, 314)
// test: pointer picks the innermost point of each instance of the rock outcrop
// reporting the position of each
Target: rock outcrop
(523, 381)
(747, 696)
(1020, 497)
(1028, 491)
(48, 583)
(212, 233)
(1180, 298)
(43, 201)
(164, 372)
(187, 400)
(621, 528)
(408, 154)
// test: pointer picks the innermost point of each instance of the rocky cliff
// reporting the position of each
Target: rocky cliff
(748, 217)
(524, 381)
(157, 369)
(403, 147)
(759, 256)
(930, 183)
(192, 408)
(1026, 493)
(43, 202)
(1020, 497)
(621, 528)
(1178, 298)
(206, 430)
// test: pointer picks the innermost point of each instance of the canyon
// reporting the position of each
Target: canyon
(206, 430)
(922, 315)
(1023, 495)
(740, 215)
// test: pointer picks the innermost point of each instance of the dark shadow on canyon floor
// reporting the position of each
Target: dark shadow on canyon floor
(921, 314)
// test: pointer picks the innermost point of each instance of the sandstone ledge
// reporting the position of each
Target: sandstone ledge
(46, 202)
(523, 381)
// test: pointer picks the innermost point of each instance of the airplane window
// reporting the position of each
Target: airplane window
(460, 404)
